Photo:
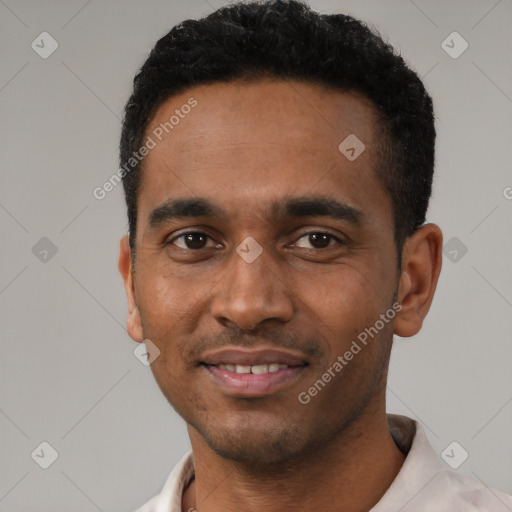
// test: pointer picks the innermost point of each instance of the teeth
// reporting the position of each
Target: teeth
(259, 368)
(256, 369)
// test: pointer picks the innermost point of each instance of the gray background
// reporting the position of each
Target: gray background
(68, 373)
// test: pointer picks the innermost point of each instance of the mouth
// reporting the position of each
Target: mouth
(254, 373)
(255, 369)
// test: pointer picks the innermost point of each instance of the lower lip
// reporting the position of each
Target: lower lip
(251, 385)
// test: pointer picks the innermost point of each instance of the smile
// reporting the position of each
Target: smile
(256, 369)
(250, 381)
(254, 372)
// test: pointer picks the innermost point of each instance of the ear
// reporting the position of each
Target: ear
(133, 322)
(421, 266)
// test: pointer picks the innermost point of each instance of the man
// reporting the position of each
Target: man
(277, 167)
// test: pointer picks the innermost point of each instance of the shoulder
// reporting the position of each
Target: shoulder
(464, 494)
(425, 484)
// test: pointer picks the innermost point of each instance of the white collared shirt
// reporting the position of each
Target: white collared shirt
(423, 483)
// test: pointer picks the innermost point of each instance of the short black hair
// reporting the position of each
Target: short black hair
(286, 39)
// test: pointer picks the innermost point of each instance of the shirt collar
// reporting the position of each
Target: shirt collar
(420, 467)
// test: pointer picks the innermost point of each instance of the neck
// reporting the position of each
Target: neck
(351, 473)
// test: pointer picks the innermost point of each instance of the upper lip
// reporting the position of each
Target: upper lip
(252, 357)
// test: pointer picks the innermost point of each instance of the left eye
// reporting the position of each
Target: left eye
(319, 238)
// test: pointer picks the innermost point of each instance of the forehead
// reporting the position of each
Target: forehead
(253, 142)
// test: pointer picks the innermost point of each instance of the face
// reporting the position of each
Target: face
(279, 242)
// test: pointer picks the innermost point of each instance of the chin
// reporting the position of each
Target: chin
(259, 448)
(255, 453)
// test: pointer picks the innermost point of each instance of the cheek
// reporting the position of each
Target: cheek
(162, 299)
(170, 309)
(342, 304)
(346, 295)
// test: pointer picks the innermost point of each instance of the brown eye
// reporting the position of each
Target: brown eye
(319, 240)
(193, 240)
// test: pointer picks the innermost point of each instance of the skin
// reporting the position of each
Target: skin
(243, 146)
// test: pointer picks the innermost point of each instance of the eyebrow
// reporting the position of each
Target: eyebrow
(297, 207)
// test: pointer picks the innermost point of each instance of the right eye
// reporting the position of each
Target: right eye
(190, 240)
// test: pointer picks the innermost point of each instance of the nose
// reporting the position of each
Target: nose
(252, 292)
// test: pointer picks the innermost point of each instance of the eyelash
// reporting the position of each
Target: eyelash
(331, 236)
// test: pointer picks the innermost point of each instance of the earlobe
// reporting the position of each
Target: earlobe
(133, 321)
(421, 266)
